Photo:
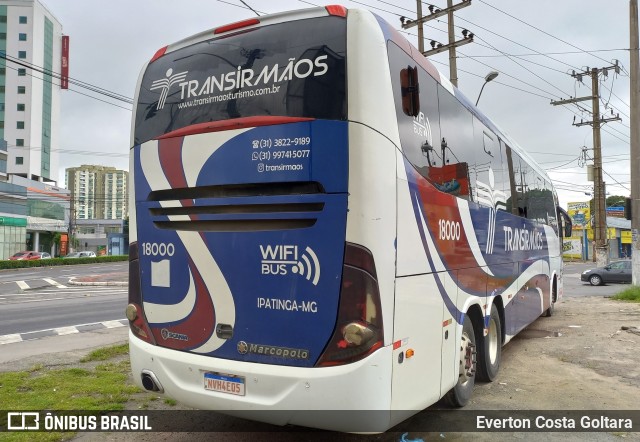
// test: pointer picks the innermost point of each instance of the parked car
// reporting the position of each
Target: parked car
(44, 255)
(83, 254)
(26, 256)
(617, 271)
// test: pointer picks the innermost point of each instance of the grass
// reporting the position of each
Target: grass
(88, 386)
(102, 354)
(631, 294)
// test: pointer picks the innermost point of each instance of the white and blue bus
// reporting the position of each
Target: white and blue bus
(321, 221)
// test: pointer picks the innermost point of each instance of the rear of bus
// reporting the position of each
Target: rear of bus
(252, 286)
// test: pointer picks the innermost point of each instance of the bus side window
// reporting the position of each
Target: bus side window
(457, 172)
(410, 90)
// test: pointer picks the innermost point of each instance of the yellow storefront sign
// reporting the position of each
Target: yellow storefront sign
(580, 214)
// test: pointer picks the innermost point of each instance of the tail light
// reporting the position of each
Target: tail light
(358, 331)
(135, 313)
(337, 10)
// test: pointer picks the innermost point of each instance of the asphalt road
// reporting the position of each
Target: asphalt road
(36, 300)
(574, 287)
(39, 299)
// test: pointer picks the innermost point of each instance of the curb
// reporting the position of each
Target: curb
(99, 283)
(61, 331)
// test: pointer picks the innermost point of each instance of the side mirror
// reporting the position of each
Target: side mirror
(566, 222)
(410, 90)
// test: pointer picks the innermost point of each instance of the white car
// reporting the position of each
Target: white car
(84, 254)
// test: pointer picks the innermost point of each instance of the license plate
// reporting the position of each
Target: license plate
(224, 383)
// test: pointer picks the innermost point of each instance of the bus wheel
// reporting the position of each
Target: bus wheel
(490, 349)
(459, 395)
(552, 302)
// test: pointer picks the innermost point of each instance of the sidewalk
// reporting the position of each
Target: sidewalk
(106, 279)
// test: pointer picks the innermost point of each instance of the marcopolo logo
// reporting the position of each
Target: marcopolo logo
(270, 350)
(164, 84)
(282, 259)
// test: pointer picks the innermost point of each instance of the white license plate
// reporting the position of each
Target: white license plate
(224, 383)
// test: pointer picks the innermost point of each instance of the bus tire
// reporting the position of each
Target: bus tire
(552, 302)
(490, 349)
(460, 394)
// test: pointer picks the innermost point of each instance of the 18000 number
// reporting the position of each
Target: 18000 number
(158, 249)
(449, 230)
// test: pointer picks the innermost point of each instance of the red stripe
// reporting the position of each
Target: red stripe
(236, 123)
(170, 154)
(199, 326)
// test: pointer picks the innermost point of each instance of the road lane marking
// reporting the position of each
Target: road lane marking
(23, 285)
(10, 339)
(54, 283)
(66, 330)
(60, 331)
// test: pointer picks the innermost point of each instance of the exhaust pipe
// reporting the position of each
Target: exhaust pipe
(150, 382)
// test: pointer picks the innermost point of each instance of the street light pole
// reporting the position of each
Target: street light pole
(490, 77)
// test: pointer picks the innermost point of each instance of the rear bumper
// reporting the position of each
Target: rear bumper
(353, 397)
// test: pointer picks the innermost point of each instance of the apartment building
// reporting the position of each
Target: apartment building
(30, 50)
(98, 192)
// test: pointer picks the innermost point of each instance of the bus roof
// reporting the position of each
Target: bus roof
(263, 20)
(390, 34)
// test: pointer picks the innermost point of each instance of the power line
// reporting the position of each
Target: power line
(6, 58)
(244, 3)
(82, 84)
(540, 30)
(538, 54)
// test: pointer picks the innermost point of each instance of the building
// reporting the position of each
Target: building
(47, 214)
(98, 192)
(103, 236)
(30, 49)
(33, 210)
(581, 244)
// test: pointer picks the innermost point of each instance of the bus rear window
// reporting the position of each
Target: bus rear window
(295, 69)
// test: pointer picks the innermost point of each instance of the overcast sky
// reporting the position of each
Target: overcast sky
(546, 41)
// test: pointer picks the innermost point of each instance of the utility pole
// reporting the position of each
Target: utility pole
(453, 66)
(600, 216)
(599, 197)
(436, 47)
(635, 142)
(420, 26)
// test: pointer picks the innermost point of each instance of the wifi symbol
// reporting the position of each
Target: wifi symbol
(309, 268)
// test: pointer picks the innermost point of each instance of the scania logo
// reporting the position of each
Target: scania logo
(243, 348)
(166, 334)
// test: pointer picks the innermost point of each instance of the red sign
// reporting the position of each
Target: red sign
(64, 244)
(64, 68)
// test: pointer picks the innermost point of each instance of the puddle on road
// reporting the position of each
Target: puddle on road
(535, 334)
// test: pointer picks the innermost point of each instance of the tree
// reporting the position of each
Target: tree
(615, 201)
(610, 201)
